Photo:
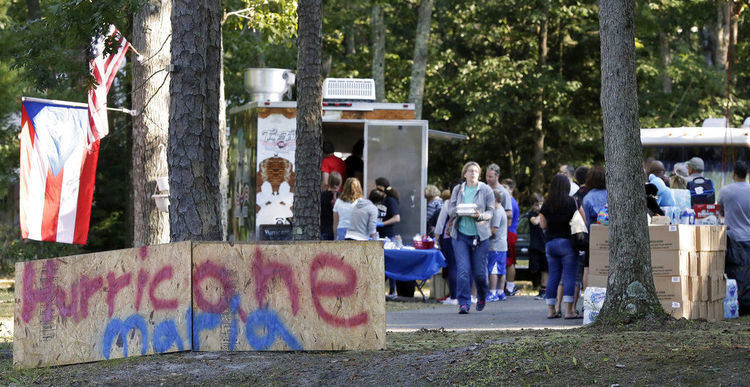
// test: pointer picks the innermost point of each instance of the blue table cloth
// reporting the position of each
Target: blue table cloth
(413, 265)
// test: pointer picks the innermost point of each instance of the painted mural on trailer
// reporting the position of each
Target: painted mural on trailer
(275, 171)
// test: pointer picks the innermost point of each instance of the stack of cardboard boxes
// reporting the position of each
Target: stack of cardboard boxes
(687, 263)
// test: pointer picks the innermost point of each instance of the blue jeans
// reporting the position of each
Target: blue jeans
(563, 262)
(446, 247)
(471, 262)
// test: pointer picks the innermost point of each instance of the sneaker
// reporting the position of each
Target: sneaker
(493, 297)
(450, 301)
(501, 297)
(390, 296)
(473, 300)
(540, 296)
(463, 309)
(480, 305)
(512, 292)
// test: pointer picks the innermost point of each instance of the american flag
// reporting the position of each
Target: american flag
(103, 69)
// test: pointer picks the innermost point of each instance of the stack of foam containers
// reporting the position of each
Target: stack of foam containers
(593, 300)
(731, 305)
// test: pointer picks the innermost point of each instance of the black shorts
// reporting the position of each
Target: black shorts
(537, 261)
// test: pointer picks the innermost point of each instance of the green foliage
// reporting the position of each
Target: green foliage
(257, 33)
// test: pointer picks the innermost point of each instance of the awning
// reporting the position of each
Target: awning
(696, 136)
(440, 135)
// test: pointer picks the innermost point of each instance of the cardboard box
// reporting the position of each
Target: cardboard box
(702, 264)
(677, 308)
(661, 237)
(598, 238)
(717, 264)
(717, 288)
(663, 262)
(598, 262)
(711, 238)
(672, 237)
(695, 288)
(670, 288)
(702, 288)
(599, 281)
(670, 262)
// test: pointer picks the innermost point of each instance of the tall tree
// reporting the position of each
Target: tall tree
(630, 292)
(152, 31)
(307, 156)
(196, 133)
(378, 50)
(539, 133)
(419, 67)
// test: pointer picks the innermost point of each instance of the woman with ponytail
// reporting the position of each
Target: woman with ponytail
(388, 212)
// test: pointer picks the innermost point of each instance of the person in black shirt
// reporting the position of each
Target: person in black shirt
(327, 199)
(556, 213)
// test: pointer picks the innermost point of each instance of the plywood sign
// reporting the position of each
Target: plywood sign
(295, 296)
(102, 306)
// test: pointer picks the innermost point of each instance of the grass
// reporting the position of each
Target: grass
(678, 352)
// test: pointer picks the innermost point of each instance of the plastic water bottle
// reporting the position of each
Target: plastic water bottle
(687, 216)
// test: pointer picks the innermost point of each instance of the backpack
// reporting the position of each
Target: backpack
(701, 191)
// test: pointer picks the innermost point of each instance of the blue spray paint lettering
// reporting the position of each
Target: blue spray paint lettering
(164, 335)
(117, 327)
(233, 306)
(203, 321)
(266, 319)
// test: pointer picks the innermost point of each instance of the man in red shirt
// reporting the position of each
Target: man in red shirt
(330, 164)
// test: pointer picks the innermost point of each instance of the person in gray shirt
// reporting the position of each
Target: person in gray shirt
(363, 221)
(735, 207)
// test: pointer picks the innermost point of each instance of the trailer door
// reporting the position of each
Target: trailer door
(397, 150)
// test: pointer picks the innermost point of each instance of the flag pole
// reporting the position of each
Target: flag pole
(75, 104)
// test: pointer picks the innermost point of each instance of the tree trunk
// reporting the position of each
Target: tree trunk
(34, 9)
(419, 67)
(350, 43)
(307, 156)
(666, 60)
(378, 51)
(151, 37)
(195, 132)
(539, 162)
(721, 34)
(630, 291)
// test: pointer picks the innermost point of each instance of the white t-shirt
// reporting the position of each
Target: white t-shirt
(573, 188)
(344, 209)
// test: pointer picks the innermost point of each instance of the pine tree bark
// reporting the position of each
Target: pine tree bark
(720, 34)
(152, 30)
(630, 287)
(307, 156)
(419, 66)
(666, 60)
(378, 51)
(543, 49)
(195, 132)
(34, 9)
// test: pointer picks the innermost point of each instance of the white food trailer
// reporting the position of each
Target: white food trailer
(262, 149)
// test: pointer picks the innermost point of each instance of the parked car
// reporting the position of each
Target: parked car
(522, 244)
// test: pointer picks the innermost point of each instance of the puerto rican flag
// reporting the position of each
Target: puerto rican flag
(103, 69)
(58, 170)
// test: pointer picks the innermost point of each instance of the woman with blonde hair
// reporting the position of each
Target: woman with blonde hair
(342, 209)
(470, 235)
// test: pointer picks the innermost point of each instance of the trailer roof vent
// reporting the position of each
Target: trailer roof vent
(348, 89)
